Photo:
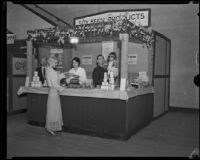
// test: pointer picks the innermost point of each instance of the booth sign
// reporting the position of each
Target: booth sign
(139, 17)
(11, 38)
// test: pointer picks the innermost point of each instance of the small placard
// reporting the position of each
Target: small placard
(58, 54)
(56, 50)
(142, 74)
(87, 59)
(11, 38)
(19, 66)
(107, 47)
(132, 58)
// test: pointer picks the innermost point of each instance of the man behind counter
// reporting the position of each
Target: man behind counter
(98, 72)
(42, 69)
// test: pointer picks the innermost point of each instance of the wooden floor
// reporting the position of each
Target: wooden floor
(173, 134)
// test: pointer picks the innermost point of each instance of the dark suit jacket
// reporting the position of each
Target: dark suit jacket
(39, 70)
(98, 75)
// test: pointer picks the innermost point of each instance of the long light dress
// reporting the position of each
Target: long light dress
(54, 120)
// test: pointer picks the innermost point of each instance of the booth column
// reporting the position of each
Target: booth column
(124, 60)
(29, 60)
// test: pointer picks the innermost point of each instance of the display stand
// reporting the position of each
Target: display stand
(100, 115)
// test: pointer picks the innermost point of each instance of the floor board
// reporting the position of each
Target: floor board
(173, 134)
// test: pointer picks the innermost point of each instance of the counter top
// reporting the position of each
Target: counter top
(95, 93)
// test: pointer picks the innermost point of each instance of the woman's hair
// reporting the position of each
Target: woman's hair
(51, 59)
(112, 54)
(100, 55)
(77, 60)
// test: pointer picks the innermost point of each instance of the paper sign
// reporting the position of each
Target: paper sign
(142, 74)
(11, 38)
(19, 66)
(87, 59)
(56, 50)
(57, 53)
(107, 47)
(132, 58)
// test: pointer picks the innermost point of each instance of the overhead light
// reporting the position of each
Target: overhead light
(74, 40)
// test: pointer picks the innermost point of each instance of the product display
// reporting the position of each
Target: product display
(111, 81)
(104, 85)
(141, 80)
(108, 81)
(36, 80)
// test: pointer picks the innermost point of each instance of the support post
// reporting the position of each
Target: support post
(29, 71)
(124, 60)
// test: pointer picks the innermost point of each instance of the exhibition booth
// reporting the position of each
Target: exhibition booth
(113, 112)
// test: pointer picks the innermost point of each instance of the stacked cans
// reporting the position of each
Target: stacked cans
(108, 86)
(36, 80)
(111, 85)
(104, 85)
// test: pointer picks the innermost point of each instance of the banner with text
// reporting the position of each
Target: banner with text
(141, 17)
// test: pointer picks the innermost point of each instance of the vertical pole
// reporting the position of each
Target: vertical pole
(73, 51)
(29, 71)
(124, 60)
(150, 66)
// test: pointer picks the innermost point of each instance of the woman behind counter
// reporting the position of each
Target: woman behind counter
(54, 120)
(77, 72)
(112, 64)
(98, 72)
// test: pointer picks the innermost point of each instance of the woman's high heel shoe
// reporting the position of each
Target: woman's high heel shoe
(51, 132)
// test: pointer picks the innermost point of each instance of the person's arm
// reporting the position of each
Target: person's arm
(61, 76)
(52, 79)
(55, 84)
(82, 74)
(70, 77)
(47, 77)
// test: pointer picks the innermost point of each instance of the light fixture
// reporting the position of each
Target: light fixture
(74, 40)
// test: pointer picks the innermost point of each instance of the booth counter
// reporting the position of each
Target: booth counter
(112, 114)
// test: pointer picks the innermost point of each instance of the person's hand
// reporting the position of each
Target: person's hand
(75, 76)
(68, 75)
(68, 80)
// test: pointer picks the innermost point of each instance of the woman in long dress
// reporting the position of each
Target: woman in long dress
(54, 120)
